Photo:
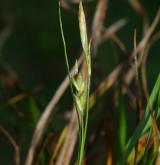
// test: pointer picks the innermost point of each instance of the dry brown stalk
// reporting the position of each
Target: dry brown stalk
(66, 152)
(14, 144)
(142, 44)
(119, 43)
(98, 25)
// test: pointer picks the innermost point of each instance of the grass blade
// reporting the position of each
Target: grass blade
(145, 120)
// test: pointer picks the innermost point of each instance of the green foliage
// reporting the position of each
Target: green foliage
(35, 113)
(143, 125)
(122, 123)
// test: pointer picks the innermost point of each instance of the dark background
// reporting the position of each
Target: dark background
(33, 50)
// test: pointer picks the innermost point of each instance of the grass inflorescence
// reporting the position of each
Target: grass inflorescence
(80, 84)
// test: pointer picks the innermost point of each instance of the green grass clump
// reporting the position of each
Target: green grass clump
(144, 125)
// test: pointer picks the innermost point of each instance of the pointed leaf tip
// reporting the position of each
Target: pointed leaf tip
(83, 29)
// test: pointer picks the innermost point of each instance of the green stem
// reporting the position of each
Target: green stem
(65, 52)
(87, 107)
(84, 125)
(81, 144)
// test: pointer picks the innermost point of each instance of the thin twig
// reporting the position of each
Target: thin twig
(138, 7)
(98, 25)
(14, 144)
(155, 38)
(129, 76)
(113, 29)
(137, 93)
(119, 43)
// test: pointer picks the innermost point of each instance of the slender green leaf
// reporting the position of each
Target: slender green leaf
(121, 123)
(145, 120)
(35, 113)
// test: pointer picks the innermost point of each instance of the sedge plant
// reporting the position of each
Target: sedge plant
(79, 84)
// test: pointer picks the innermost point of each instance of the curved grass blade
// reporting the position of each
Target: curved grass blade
(64, 45)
